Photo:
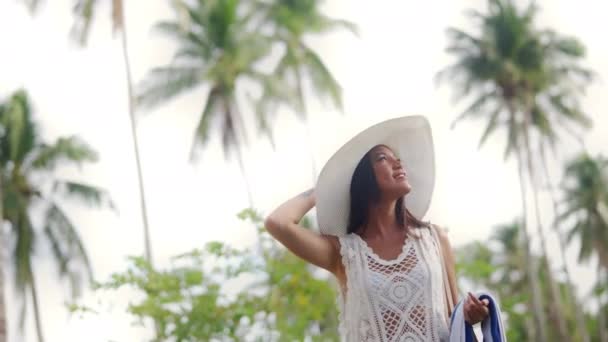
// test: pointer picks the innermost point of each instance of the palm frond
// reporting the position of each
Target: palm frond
(20, 132)
(491, 126)
(572, 113)
(569, 212)
(66, 149)
(67, 247)
(475, 108)
(324, 83)
(512, 138)
(229, 136)
(188, 40)
(541, 122)
(461, 38)
(263, 109)
(586, 238)
(203, 129)
(83, 11)
(567, 46)
(275, 92)
(325, 24)
(88, 194)
(165, 83)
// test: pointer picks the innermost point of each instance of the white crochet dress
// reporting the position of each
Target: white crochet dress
(398, 300)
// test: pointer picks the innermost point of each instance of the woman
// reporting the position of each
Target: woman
(392, 267)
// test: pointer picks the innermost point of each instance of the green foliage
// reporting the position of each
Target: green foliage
(27, 169)
(279, 297)
(186, 301)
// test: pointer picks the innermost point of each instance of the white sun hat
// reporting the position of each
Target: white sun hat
(410, 139)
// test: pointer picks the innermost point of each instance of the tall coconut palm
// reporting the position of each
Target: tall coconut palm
(558, 82)
(290, 23)
(84, 13)
(584, 206)
(3, 330)
(32, 188)
(585, 197)
(571, 287)
(218, 49)
(524, 79)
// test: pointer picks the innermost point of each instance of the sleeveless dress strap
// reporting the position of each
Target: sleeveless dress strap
(446, 280)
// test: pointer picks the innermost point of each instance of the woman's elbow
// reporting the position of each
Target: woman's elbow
(271, 223)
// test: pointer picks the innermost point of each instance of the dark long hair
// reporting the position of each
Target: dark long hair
(364, 191)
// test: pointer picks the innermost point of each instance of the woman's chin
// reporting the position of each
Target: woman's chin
(403, 191)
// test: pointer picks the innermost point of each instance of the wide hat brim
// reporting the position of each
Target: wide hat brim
(409, 137)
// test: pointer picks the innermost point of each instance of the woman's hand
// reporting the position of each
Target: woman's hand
(475, 310)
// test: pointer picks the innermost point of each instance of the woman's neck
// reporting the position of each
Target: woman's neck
(382, 220)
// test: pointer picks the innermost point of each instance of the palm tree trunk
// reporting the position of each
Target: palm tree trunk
(555, 305)
(2, 303)
(530, 265)
(131, 101)
(601, 314)
(573, 297)
(36, 305)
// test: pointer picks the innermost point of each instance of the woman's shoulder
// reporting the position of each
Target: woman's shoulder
(434, 227)
(441, 234)
(345, 244)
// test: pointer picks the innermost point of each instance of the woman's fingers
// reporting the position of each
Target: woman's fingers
(475, 310)
(475, 300)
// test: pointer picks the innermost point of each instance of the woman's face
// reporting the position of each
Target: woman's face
(390, 175)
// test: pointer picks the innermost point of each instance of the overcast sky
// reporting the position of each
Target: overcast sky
(386, 72)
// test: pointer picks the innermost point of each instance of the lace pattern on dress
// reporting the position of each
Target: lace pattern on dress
(392, 300)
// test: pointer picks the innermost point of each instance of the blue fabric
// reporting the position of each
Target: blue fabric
(491, 327)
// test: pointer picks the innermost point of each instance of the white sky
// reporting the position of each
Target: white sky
(387, 72)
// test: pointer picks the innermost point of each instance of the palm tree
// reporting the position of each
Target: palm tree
(585, 198)
(584, 205)
(290, 22)
(525, 79)
(30, 187)
(585, 202)
(219, 49)
(571, 287)
(84, 13)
